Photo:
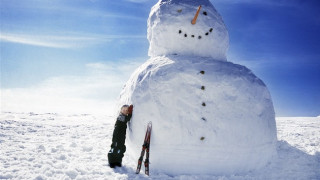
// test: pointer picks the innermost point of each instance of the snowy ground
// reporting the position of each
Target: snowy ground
(56, 146)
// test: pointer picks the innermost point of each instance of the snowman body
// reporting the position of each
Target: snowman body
(209, 115)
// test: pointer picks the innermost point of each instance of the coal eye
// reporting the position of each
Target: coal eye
(179, 10)
(205, 13)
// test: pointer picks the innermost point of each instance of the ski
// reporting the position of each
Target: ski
(145, 148)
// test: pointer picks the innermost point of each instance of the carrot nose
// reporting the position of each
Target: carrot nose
(194, 20)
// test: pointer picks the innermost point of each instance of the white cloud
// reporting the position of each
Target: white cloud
(44, 41)
(48, 40)
(96, 91)
(56, 41)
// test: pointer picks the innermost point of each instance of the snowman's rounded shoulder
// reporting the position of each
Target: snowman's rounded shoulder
(169, 66)
(182, 63)
(155, 65)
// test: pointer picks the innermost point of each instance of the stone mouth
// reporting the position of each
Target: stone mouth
(186, 35)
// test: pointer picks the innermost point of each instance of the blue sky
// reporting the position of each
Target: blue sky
(83, 51)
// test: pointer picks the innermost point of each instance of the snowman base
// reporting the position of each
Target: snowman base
(212, 160)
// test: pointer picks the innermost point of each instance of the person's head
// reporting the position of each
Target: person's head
(125, 109)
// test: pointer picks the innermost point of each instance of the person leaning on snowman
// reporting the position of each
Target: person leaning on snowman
(118, 147)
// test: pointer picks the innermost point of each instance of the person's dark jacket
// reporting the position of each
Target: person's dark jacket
(119, 132)
(118, 147)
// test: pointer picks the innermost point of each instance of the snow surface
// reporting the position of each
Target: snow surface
(59, 146)
(170, 30)
(236, 127)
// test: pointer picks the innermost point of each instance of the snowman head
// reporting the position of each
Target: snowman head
(187, 27)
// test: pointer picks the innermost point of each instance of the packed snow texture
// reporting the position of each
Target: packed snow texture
(170, 30)
(202, 111)
(59, 146)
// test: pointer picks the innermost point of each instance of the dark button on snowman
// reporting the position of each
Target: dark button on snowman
(209, 115)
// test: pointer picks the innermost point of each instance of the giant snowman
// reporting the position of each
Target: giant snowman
(209, 115)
